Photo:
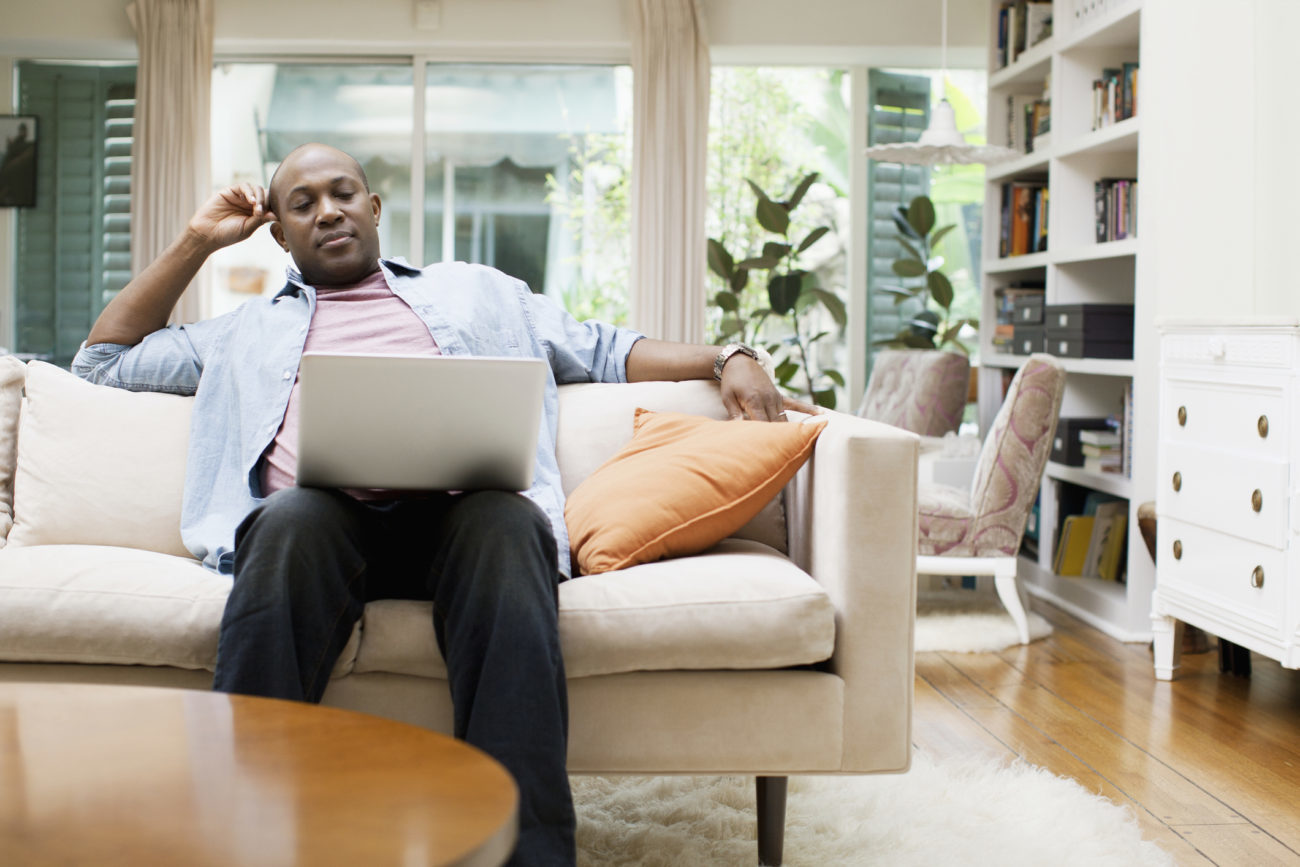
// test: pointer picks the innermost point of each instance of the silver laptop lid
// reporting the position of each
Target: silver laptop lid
(418, 422)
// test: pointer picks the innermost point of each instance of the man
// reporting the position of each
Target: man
(305, 561)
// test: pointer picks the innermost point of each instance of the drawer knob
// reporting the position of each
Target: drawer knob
(1262, 426)
(1178, 481)
(1182, 416)
(1257, 577)
(1178, 549)
(1257, 500)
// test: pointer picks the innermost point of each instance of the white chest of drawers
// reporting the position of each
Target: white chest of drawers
(1227, 504)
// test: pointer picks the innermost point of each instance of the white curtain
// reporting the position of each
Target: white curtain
(670, 74)
(169, 166)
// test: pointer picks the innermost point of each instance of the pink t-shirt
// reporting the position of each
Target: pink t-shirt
(365, 317)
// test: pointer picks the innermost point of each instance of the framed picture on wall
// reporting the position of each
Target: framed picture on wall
(17, 161)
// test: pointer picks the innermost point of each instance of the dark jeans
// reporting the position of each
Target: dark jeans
(306, 562)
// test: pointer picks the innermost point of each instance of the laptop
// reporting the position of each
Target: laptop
(433, 423)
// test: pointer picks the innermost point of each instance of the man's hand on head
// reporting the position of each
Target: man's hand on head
(231, 215)
(748, 392)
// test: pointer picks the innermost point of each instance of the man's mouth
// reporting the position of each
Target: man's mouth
(333, 239)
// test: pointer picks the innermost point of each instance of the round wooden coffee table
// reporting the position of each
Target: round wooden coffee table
(110, 775)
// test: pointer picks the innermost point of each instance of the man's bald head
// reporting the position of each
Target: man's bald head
(304, 150)
(325, 215)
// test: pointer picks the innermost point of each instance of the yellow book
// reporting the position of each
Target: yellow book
(1113, 552)
(1073, 549)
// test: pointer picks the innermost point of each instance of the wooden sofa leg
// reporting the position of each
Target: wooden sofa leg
(771, 819)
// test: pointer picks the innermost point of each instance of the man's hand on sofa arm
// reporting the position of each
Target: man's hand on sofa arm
(747, 389)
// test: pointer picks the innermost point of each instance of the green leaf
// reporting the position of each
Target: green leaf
(939, 233)
(720, 261)
(775, 250)
(758, 191)
(739, 279)
(917, 341)
(772, 216)
(904, 228)
(818, 336)
(783, 291)
(813, 237)
(824, 397)
(785, 371)
(940, 289)
(834, 306)
(920, 215)
(797, 196)
(835, 376)
(762, 263)
(911, 249)
(730, 324)
(907, 267)
(727, 301)
(901, 293)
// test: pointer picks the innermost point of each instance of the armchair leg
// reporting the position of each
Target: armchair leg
(1004, 580)
(771, 819)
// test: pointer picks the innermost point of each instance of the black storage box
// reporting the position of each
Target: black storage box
(1066, 448)
(1028, 339)
(1074, 344)
(1028, 310)
(1112, 323)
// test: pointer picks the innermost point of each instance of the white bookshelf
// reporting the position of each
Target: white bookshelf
(1075, 269)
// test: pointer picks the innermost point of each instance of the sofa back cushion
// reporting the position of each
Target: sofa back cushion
(98, 465)
(12, 373)
(596, 421)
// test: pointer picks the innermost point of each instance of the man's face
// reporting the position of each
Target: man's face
(325, 217)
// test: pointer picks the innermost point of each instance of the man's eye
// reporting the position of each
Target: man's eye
(300, 206)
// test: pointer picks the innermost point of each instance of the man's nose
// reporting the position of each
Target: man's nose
(328, 211)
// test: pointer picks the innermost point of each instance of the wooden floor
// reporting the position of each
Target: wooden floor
(1209, 763)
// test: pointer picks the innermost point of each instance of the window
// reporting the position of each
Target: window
(774, 126)
(518, 165)
(74, 247)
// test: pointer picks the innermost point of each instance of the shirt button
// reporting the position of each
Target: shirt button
(288, 374)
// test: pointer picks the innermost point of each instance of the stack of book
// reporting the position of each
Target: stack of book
(1024, 218)
(1116, 208)
(1103, 451)
(1114, 95)
(1022, 24)
(1092, 545)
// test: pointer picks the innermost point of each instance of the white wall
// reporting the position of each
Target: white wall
(906, 33)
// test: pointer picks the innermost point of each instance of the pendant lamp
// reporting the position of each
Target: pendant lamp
(941, 143)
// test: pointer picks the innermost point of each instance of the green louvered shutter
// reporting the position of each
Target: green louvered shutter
(899, 109)
(73, 248)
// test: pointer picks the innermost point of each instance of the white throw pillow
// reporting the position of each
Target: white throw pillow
(12, 372)
(99, 465)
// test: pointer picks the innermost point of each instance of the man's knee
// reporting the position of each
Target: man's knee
(502, 515)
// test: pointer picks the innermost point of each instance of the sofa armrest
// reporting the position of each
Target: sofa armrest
(852, 523)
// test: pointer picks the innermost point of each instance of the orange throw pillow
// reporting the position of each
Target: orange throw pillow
(682, 484)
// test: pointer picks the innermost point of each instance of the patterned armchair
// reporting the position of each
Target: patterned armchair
(978, 532)
(922, 391)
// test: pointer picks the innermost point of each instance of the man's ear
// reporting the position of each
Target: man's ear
(277, 232)
(375, 206)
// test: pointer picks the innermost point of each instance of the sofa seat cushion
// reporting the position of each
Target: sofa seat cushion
(110, 605)
(740, 605)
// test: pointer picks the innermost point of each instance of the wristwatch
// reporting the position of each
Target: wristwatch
(725, 355)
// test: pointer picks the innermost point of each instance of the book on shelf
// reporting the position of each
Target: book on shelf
(1126, 430)
(1114, 95)
(1103, 520)
(1072, 549)
(1024, 218)
(1099, 438)
(1019, 111)
(1115, 208)
(1111, 565)
(1022, 24)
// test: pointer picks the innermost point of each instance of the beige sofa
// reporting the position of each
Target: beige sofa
(738, 660)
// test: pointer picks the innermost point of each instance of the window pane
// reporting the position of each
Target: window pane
(775, 127)
(261, 111)
(529, 161)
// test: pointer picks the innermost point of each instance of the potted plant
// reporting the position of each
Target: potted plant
(792, 292)
(932, 327)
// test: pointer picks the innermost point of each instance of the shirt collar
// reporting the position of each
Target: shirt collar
(294, 284)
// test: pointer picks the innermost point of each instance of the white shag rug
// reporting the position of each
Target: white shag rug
(977, 813)
(969, 621)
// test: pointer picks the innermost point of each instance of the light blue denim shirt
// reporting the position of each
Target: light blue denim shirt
(241, 367)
